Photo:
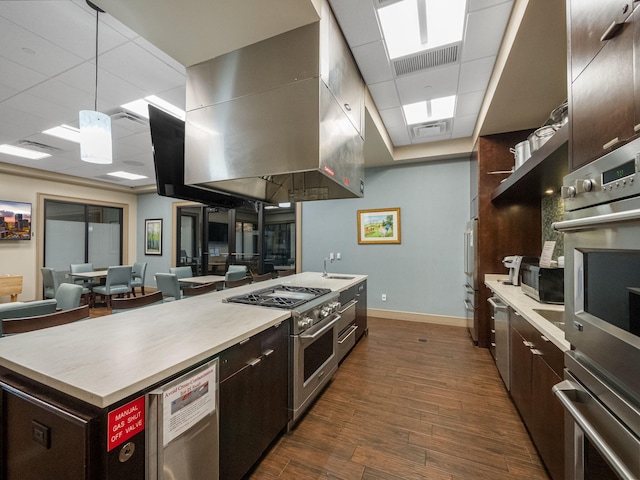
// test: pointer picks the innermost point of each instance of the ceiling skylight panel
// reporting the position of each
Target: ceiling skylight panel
(407, 31)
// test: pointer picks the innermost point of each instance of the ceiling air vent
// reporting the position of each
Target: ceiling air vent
(427, 130)
(124, 115)
(40, 146)
(428, 59)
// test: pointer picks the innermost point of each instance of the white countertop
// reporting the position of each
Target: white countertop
(525, 305)
(106, 359)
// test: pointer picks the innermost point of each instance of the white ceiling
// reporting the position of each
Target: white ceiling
(47, 69)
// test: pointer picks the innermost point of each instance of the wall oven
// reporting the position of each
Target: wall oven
(601, 391)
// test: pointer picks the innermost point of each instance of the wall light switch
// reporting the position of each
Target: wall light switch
(338, 256)
(331, 256)
(384, 297)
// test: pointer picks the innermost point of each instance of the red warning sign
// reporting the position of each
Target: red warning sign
(124, 422)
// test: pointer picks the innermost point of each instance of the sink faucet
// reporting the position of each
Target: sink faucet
(324, 267)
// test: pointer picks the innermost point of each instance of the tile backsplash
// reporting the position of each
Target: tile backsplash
(552, 211)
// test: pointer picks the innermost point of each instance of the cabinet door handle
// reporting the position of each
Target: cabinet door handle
(493, 345)
(255, 362)
(267, 353)
(242, 342)
(545, 339)
(610, 143)
(527, 344)
(614, 28)
(535, 351)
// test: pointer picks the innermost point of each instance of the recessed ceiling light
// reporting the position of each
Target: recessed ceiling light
(127, 175)
(65, 132)
(412, 26)
(141, 107)
(549, 191)
(22, 152)
(430, 110)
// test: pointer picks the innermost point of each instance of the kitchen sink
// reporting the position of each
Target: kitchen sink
(555, 317)
(339, 277)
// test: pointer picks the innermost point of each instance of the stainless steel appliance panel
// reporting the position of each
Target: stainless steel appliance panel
(192, 454)
(347, 329)
(500, 313)
(597, 231)
(600, 444)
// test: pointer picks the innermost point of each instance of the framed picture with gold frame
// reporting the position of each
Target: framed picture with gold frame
(381, 225)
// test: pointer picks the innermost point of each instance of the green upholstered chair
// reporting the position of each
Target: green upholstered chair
(118, 282)
(68, 296)
(168, 284)
(138, 272)
(182, 272)
(49, 282)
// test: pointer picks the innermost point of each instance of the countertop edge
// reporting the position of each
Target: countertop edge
(524, 305)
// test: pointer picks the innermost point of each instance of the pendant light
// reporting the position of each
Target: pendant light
(95, 127)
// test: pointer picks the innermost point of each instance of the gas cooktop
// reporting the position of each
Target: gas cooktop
(280, 296)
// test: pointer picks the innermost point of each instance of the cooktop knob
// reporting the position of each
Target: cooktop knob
(305, 322)
(587, 185)
(568, 192)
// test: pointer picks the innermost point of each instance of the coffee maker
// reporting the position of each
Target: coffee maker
(513, 263)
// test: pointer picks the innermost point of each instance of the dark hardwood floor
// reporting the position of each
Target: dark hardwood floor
(411, 401)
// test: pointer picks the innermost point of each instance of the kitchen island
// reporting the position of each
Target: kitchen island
(102, 364)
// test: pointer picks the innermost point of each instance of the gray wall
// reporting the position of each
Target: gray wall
(424, 274)
(154, 206)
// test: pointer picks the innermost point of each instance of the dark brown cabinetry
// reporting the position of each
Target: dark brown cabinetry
(536, 366)
(603, 100)
(513, 228)
(254, 398)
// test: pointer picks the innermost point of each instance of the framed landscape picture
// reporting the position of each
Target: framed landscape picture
(153, 236)
(381, 225)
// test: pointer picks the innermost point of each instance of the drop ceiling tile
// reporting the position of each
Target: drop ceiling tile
(16, 123)
(393, 118)
(469, 103)
(73, 30)
(484, 32)
(358, 21)
(428, 84)
(16, 76)
(475, 5)
(475, 75)
(47, 58)
(132, 64)
(176, 96)
(372, 62)
(385, 95)
(399, 136)
(160, 55)
(463, 126)
(435, 138)
(63, 94)
(58, 143)
(138, 143)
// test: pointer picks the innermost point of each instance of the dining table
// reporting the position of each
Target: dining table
(96, 274)
(202, 279)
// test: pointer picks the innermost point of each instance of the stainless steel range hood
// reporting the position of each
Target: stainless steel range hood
(280, 120)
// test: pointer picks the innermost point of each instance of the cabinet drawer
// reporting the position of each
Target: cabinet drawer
(551, 354)
(235, 358)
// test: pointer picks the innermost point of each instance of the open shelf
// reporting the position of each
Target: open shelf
(544, 170)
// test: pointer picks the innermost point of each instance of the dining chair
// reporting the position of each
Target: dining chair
(68, 296)
(29, 324)
(168, 284)
(204, 288)
(49, 282)
(237, 283)
(182, 272)
(138, 272)
(87, 284)
(235, 272)
(123, 304)
(261, 278)
(118, 282)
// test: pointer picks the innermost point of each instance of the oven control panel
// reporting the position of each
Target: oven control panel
(611, 177)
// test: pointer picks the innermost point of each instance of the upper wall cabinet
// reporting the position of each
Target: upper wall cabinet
(603, 99)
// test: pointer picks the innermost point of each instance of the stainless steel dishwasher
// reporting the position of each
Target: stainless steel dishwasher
(500, 316)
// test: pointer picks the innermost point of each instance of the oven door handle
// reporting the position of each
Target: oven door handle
(346, 307)
(564, 391)
(597, 220)
(322, 331)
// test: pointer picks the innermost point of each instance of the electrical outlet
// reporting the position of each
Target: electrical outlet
(331, 256)
(384, 297)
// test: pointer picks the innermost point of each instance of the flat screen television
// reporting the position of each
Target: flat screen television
(15, 220)
(167, 138)
(218, 232)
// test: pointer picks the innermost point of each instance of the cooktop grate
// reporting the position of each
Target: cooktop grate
(280, 296)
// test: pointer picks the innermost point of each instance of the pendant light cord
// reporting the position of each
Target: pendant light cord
(95, 105)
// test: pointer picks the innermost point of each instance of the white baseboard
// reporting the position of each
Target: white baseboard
(418, 317)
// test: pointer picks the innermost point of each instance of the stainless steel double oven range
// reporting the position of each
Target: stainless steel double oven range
(313, 348)
(601, 390)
